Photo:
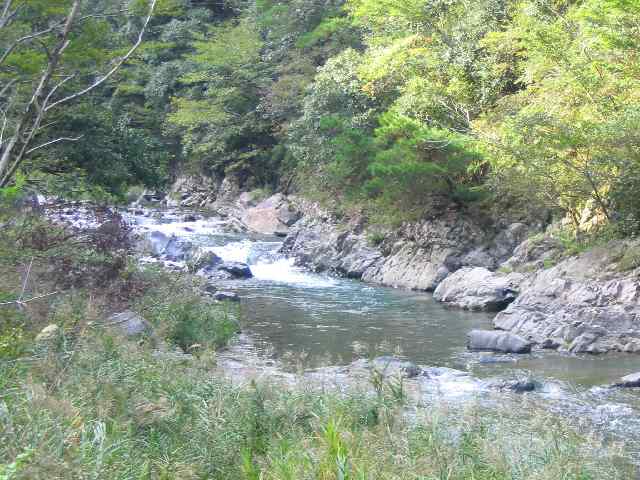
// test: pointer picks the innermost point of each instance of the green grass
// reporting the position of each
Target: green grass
(105, 407)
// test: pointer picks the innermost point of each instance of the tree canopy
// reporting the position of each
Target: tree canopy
(381, 103)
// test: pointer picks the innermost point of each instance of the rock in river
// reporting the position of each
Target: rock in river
(236, 269)
(476, 288)
(226, 297)
(629, 381)
(493, 341)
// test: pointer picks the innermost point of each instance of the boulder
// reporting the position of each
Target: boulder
(203, 259)
(48, 334)
(494, 341)
(521, 385)
(629, 381)
(272, 216)
(478, 289)
(130, 324)
(236, 269)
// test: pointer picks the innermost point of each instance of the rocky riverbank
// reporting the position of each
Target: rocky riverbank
(588, 302)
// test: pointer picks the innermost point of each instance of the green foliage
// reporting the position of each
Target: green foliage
(188, 320)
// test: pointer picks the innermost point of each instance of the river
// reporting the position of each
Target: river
(303, 318)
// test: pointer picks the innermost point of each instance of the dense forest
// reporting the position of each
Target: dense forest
(388, 104)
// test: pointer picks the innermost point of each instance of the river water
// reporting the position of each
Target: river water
(303, 318)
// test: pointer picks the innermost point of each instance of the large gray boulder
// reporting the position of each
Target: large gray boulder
(476, 288)
(494, 341)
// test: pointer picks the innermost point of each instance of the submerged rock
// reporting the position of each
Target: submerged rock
(476, 288)
(494, 341)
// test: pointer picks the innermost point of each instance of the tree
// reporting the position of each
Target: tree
(50, 52)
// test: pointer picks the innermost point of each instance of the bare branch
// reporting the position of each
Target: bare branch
(22, 303)
(57, 140)
(7, 14)
(9, 84)
(26, 38)
(26, 279)
(117, 66)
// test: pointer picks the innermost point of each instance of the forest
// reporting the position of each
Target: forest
(428, 270)
(386, 105)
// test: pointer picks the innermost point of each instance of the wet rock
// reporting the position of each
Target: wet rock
(48, 335)
(203, 259)
(130, 324)
(236, 269)
(629, 381)
(514, 385)
(479, 289)
(493, 341)
(388, 365)
(190, 218)
(226, 297)
(177, 250)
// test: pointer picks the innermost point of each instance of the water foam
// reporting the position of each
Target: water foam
(283, 270)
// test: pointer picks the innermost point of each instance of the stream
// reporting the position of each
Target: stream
(303, 318)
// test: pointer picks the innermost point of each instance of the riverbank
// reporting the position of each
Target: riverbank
(150, 394)
(551, 290)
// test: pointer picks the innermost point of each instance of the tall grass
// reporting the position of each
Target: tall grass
(110, 409)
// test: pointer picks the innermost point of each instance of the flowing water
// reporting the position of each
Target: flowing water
(305, 318)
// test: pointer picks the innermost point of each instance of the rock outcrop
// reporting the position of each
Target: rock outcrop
(272, 216)
(476, 288)
(584, 304)
(418, 256)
